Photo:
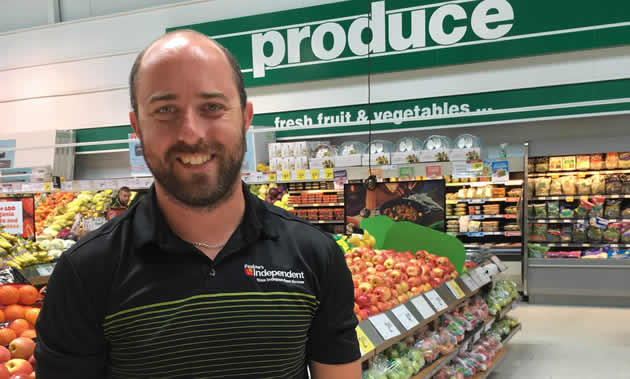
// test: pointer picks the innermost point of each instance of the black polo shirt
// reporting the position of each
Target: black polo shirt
(133, 300)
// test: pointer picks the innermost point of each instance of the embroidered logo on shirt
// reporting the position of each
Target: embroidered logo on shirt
(264, 275)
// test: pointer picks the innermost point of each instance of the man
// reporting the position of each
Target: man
(199, 278)
(122, 200)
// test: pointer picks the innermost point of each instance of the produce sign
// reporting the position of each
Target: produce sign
(17, 216)
(384, 279)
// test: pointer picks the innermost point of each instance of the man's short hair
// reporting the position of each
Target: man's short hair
(237, 75)
(124, 189)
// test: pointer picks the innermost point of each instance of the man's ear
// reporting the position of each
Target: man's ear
(248, 115)
(134, 123)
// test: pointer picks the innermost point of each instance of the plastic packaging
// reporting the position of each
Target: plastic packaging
(613, 208)
(540, 210)
(569, 185)
(612, 161)
(555, 187)
(539, 232)
(542, 164)
(553, 209)
(598, 253)
(598, 184)
(436, 142)
(543, 186)
(563, 254)
(612, 234)
(536, 251)
(624, 160)
(597, 162)
(616, 253)
(613, 185)
(566, 212)
(351, 148)
(625, 183)
(584, 186)
(579, 233)
(531, 185)
(595, 234)
(408, 144)
(598, 207)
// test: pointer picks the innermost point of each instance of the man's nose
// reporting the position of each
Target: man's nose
(191, 129)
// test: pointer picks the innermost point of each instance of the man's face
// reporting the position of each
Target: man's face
(190, 121)
(123, 197)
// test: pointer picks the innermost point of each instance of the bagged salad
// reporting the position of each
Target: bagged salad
(624, 160)
(598, 253)
(598, 184)
(612, 161)
(540, 210)
(579, 232)
(569, 185)
(583, 209)
(613, 208)
(553, 209)
(542, 186)
(612, 233)
(584, 186)
(555, 188)
(536, 251)
(613, 185)
(598, 207)
(566, 212)
(595, 234)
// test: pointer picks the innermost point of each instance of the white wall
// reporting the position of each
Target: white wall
(18, 14)
(74, 74)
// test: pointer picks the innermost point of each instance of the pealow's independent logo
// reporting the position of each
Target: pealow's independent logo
(263, 275)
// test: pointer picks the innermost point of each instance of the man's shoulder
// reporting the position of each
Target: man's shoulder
(288, 225)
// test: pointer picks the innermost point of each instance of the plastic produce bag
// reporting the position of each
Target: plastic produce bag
(428, 346)
(613, 185)
(539, 232)
(612, 234)
(598, 207)
(612, 161)
(595, 234)
(579, 232)
(598, 253)
(531, 185)
(555, 188)
(624, 160)
(553, 235)
(543, 186)
(583, 209)
(584, 186)
(563, 254)
(566, 212)
(598, 184)
(613, 208)
(540, 210)
(566, 234)
(536, 251)
(597, 162)
(569, 185)
(553, 209)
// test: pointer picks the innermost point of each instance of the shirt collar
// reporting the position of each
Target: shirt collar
(151, 228)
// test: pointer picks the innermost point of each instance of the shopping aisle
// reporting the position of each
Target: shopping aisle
(568, 342)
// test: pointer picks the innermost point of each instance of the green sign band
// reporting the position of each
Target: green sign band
(336, 40)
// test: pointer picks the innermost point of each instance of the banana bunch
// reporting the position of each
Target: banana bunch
(366, 240)
(21, 253)
(343, 243)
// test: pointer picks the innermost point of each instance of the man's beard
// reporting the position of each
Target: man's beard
(198, 190)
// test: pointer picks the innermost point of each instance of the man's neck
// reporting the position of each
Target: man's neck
(213, 227)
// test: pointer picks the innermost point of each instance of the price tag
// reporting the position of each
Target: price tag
(477, 336)
(285, 176)
(328, 173)
(66, 186)
(569, 199)
(93, 223)
(509, 216)
(615, 196)
(483, 276)
(38, 187)
(405, 317)
(365, 345)
(300, 175)
(498, 262)
(436, 300)
(45, 270)
(47, 186)
(476, 201)
(314, 174)
(110, 184)
(456, 290)
(469, 282)
(384, 326)
(422, 306)
(272, 177)
(481, 217)
(476, 234)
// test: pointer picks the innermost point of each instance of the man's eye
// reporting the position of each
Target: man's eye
(166, 109)
(213, 107)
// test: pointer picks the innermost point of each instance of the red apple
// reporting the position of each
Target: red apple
(354, 269)
(388, 282)
(416, 290)
(378, 259)
(400, 266)
(355, 281)
(19, 366)
(435, 282)
(375, 280)
(362, 266)
(425, 269)
(357, 293)
(364, 314)
(412, 270)
(383, 293)
(451, 267)
(414, 281)
(425, 278)
(379, 268)
(4, 372)
(365, 287)
(373, 310)
(420, 254)
(395, 275)
(443, 261)
(370, 271)
(367, 255)
(403, 299)
(404, 285)
(363, 301)
(389, 263)
(373, 298)
(381, 307)
(356, 310)
(369, 264)
(21, 348)
(437, 272)
(5, 355)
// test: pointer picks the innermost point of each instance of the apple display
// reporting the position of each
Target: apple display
(19, 366)
(22, 348)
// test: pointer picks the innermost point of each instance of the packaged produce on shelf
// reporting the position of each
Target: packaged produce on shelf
(400, 361)
(612, 233)
(541, 164)
(597, 208)
(625, 232)
(543, 186)
(536, 251)
(583, 162)
(563, 254)
(598, 184)
(617, 253)
(613, 185)
(384, 279)
(568, 184)
(501, 295)
(612, 161)
(566, 211)
(273, 194)
(531, 186)
(626, 184)
(555, 188)
(503, 327)
(596, 253)
(584, 186)
(595, 234)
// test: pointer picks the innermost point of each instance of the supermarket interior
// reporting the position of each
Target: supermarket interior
(471, 158)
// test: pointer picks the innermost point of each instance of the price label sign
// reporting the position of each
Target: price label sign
(498, 262)
(45, 270)
(365, 345)
(11, 217)
(436, 300)
(272, 177)
(483, 276)
(93, 223)
(422, 306)
(285, 175)
(384, 326)
(99, 184)
(66, 186)
(405, 317)
(110, 184)
(47, 186)
(456, 290)
(328, 174)
(314, 174)
(300, 175)
(469, 282)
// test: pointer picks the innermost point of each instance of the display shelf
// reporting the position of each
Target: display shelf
(564, 197)
(586, 244)
(579, 263)
(513, 332)
(590, 172)
(506, 309)
(485, 200)
(481, 184)
(493, 364)
(484, 217)
(316, 205)
(484, 234)
(571, 220)
(134, 183)
(326, 221)
(315, 191)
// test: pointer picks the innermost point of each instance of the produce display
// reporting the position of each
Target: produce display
(501, 295)
(20, 253)
(601, 252)
(384, 279)
(18, 315)
(401, 361)
(273, 194)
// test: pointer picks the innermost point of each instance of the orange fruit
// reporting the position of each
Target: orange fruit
(13, 312)
(28, 295)
(6, 336)
(29, 333)
(19, 326)
(9, 295)
(31, 315)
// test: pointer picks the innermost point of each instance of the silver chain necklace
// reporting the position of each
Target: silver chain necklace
(205, 245)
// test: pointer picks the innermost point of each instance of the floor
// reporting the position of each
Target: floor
(568, 342)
